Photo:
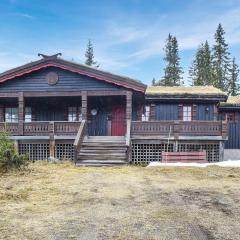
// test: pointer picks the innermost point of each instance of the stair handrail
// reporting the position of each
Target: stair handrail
(128, 139)
(79, 139)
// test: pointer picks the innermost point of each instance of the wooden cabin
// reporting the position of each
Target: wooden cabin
(61, 109)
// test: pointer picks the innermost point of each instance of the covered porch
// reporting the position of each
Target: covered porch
(61, 113)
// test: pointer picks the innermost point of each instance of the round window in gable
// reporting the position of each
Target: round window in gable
(52, 78)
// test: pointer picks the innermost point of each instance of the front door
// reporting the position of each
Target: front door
(97, 122)
(118, 121)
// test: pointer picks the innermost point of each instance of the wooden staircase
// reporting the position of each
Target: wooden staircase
(102, 151)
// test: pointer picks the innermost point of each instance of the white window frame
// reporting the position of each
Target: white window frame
(187, 113)
(28, 114)
(11, 114)
(146, 114)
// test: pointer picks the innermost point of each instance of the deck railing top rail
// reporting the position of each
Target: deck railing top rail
(176, 128)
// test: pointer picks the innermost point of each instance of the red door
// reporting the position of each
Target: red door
(118, 121)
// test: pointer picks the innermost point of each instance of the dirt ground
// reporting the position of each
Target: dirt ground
(61, 201)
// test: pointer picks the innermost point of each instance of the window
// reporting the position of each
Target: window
(74, 114)
(187, 113)
(230, 117)
(28, 114)
(146, 115)
(11, 114)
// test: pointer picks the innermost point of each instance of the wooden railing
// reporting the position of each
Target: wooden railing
(10, 128)
(79, 138)
(178, 128)
(66, 128)
(37, 128)
(41, 128)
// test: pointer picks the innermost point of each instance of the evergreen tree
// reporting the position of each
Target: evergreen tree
(89, 54)
(220, 60)
(201, 71)
(154, 82)
(196, 70)
(234, 87)
(172, 71)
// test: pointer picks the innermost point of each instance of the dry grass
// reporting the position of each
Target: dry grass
(60, 201)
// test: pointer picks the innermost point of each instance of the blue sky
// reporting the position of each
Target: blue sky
(128, 35)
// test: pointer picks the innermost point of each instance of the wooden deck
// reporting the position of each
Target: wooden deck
(138, 128)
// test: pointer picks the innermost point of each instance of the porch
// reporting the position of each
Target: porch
(61, 113)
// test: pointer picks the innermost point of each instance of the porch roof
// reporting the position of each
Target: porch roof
(55, 61)
(185, 92)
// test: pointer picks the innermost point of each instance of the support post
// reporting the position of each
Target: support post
(84, 105)
(221, 150)
(51, 141)
(16, 148)
(21, 114)
(129, 106)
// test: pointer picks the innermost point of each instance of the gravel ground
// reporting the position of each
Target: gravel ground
(60, 201)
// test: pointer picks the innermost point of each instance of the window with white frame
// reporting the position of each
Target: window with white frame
(187, 113)
(146, 114)
(11, 114)
(28, 114)
(72, 114)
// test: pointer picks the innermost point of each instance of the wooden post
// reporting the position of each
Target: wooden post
(52, 141)
(221, 150)
(175, 146)
(21, 114)
(129, 106)
(84, 105)
(1, 113)
(16, 148)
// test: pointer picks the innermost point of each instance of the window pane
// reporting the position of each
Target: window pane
(11, 114)
(28, 114)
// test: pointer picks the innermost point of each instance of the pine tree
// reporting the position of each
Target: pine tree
(89, 54)
(172, 71)
(196, 70)
(220, 60)
(234, 87)
(154, 82)
(201, 71)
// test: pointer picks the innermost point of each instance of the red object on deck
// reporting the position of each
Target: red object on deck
(184, 157)
(118, 121)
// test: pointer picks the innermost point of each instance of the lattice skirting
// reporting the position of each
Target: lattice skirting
(35, 151)
(64, 151)
(41, 150)
(143, 153)
(212, 149)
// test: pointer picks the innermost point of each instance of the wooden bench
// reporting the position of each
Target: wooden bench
(184, 157)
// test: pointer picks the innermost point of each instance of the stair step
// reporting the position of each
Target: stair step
(81, 158)
(102, 151)
(100, 162)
